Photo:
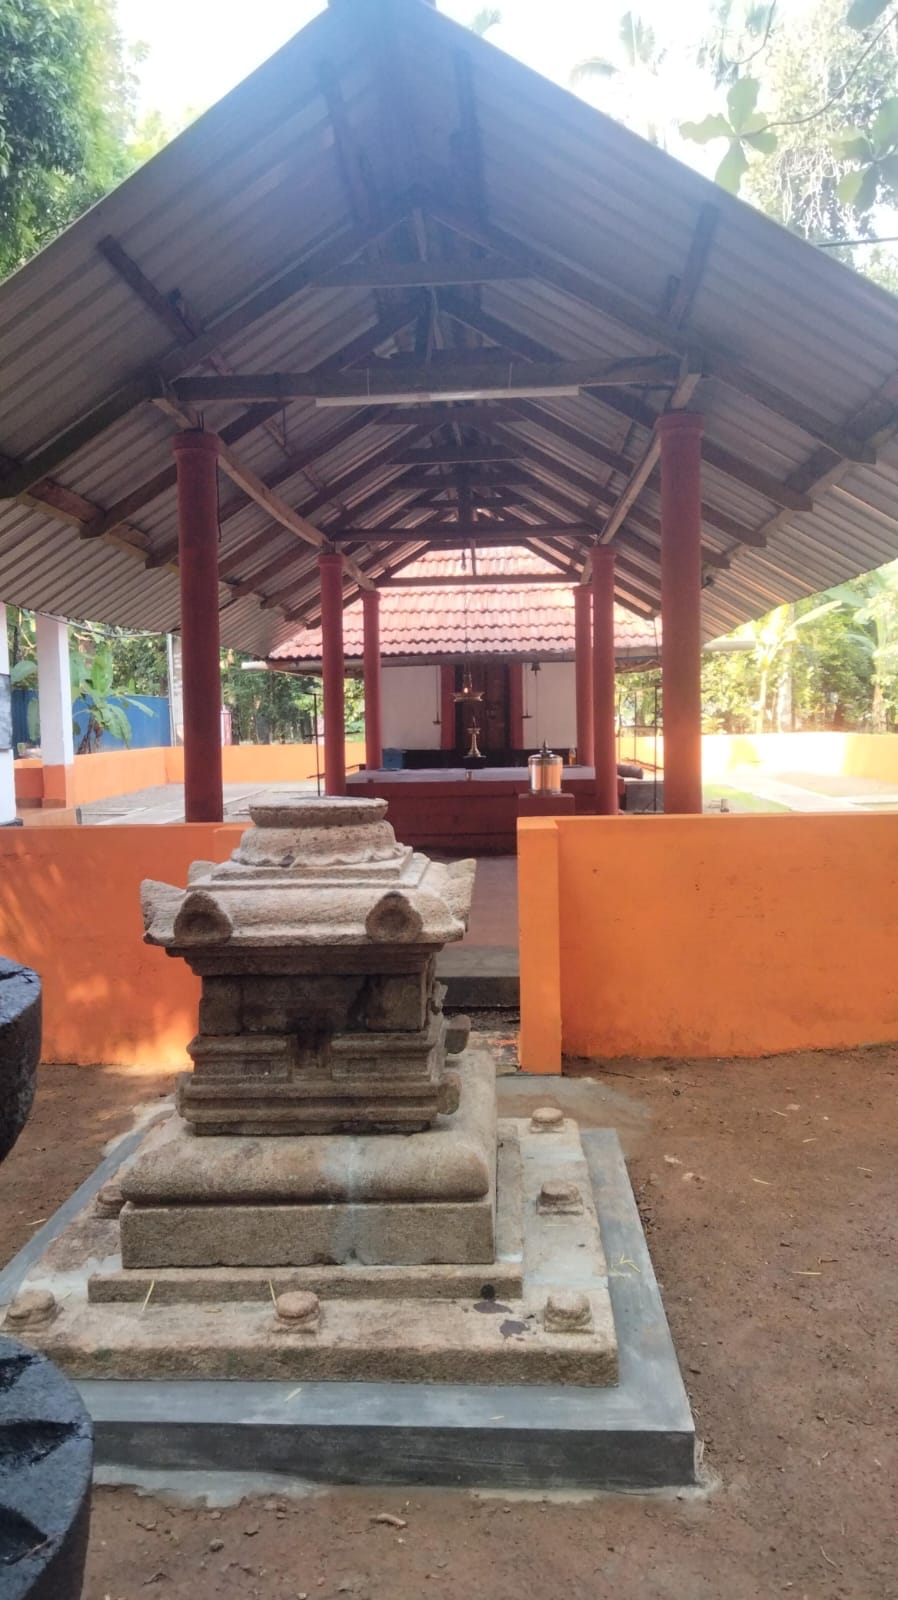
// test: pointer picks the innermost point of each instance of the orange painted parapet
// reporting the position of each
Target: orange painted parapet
(29, 780)
(539, 936)
(109, 773)
(710, 936)
(70, 908)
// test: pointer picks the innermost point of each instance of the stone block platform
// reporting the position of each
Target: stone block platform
(532, 1308)
(636, 1433)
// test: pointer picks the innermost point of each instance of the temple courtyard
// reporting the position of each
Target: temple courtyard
(764, 1188)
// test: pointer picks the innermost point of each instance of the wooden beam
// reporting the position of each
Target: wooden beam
(531, 411)
(501, 477)
(25, 474)
(689, 369)
(687, 286)
(420, 274)
(609, 302)
(648, 461)
(392, 378)
(447, 455)
(277, 508)
(513, 526)
(600, 496)
(479, 581)
(304, 274)
(464, 414)
(355, 475)
(149, 383)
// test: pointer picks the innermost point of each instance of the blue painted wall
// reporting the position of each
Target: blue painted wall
(146, 731)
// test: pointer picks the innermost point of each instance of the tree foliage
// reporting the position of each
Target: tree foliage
(67, 98)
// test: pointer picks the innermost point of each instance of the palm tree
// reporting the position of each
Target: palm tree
(488, 17)
(873, 600)
(635, 68)
(774, 636)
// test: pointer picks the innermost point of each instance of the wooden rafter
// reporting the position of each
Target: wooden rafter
(687, 285)
(618, 308)
(149, 383)
(645, 466)
(762, 483)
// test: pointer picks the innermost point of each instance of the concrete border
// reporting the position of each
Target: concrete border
(639, 1435)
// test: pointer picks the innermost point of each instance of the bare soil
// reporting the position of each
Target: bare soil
(768, 1190)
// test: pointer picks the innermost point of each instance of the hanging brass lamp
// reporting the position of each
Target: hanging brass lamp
(467, 694)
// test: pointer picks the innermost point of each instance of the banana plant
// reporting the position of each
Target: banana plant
(92, 682)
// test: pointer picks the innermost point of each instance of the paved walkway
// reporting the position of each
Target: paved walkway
(806, 791)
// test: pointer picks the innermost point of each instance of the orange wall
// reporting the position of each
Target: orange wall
(70, 908)
(715, 935)
(103, 775)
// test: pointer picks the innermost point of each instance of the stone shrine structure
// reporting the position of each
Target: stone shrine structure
(333, 1196)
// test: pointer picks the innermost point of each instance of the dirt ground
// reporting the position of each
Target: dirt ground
(768, 1191)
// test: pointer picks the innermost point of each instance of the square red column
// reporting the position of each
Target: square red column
(330, 565)
(196, 462)
(374, 741)
(583, 673)
(603, 681)
(680, 435)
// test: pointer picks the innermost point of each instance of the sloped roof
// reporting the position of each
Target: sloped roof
(384, 135)
(431, 623)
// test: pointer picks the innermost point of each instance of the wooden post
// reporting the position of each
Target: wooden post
(603, 685)
(330, 565)
(374, 743)
(583, 671)
(680, 433)
(196, 462)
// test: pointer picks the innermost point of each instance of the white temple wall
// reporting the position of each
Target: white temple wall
(410, 698)
(549, 696)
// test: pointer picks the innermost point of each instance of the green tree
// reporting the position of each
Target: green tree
(824, 148)
(872, 601)
(67, 94)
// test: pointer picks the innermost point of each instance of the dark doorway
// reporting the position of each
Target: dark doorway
(491, 714)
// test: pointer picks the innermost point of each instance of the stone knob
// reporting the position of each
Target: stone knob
(568, 1312)
(559, 1196)
(547, 1119)
(31, 1309)
(299, 1309)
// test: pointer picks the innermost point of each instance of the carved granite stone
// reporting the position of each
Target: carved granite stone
(315, 942)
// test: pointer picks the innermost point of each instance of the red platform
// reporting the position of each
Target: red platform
(451, 809)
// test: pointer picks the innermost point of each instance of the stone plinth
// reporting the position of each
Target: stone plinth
(538, 1312)
(315, 943)
(301, 1201)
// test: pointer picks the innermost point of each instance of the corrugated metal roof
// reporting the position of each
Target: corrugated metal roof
(533, 622)
(363, 127)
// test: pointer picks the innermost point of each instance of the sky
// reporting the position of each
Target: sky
(199, 49)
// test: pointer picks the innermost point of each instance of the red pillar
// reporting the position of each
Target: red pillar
(583, 672)
(603, 685)
(447, 707)
(330, 564)
(196, 463)
(374, 739)
(680, 433)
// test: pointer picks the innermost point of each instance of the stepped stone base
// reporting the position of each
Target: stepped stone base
(383, 1200)
(539, 1312)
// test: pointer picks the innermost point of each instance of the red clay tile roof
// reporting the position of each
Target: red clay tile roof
(531, 621)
